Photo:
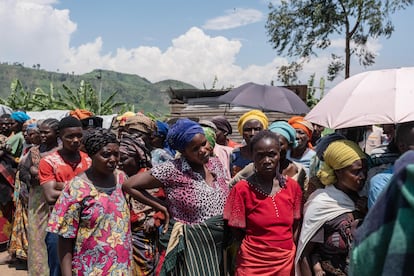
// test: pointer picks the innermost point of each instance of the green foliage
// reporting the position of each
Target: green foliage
(84, 98)
(287, 74)
(298, 28)
(315, 94)
(135, 92)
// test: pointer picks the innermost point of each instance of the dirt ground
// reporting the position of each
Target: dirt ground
(6, 270)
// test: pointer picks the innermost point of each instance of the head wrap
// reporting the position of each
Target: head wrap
(20, 116)
(207, 123)
(80, 113)
(29, 122)
(182, 132)
(301, 123)
(210, 135)
(69, 121)
(252, 115)
(324, 142)
(162, 128)
(92, 121)
(222, 124)
(32, 126)
(122, 118)
(96, 139)
(286, 130)
(141, 123)
(338, 155)
(133, 145)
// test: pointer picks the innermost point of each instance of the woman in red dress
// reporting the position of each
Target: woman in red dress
(264, 211)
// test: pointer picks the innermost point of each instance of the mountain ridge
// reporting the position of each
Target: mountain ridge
(132, 89)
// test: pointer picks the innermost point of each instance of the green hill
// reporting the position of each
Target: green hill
(132, 89)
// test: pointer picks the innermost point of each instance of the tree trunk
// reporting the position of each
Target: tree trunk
(347, 55)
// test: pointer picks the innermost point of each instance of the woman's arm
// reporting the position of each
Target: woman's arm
(305, 266)
(65, 247)
(136, 186)
(297, 225)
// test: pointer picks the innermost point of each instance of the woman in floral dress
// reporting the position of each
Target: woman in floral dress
(91, 215)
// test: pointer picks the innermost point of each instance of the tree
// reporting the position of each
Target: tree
(299, 28)
(86, 98)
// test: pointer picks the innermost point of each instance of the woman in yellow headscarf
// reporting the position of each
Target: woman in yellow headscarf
(249, 124)
(332, 214)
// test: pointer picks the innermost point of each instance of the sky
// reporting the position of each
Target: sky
(191, 41)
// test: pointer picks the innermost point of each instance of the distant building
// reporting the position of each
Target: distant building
(200, 104)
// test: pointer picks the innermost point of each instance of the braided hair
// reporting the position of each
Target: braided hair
(96, 139)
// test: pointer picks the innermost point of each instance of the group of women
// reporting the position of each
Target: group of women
(129, 214)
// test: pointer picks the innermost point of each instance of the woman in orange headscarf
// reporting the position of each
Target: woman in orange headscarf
(304, 152)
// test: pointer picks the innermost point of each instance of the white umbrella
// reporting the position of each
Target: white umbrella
(372, 97)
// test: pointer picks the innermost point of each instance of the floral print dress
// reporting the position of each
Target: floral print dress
(99, 223)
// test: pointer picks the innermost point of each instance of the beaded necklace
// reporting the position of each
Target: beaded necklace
(282, 184)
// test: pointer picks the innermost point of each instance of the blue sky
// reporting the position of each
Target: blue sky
(191, 41)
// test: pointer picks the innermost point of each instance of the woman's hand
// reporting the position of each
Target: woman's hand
(361, 205)
(317, 269)
(164, 210)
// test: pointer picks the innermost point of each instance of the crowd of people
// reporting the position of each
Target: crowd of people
(147, 197)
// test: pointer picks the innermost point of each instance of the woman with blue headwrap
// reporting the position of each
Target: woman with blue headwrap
(196, 191)
(161, 150)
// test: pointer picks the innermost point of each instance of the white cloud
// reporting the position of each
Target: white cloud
(233, 19)
(34, 32)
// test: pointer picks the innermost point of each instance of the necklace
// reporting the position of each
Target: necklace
(259, 190)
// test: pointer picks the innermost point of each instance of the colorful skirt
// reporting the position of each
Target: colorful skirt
(38, 215)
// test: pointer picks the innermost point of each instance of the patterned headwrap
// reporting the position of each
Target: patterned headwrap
(81, 113)
(325, 141)
(133, 145)
(301, 123)
(210, 135)
(97, 139)
(339, 154)
(182, 132)
(20, 116)
(252, 115)
(141, 123)
(122, 118)
(286, 130)
(223, 124)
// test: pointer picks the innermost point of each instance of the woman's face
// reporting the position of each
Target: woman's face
(34, 136)
(106, 159)
(128, 164)
(352, 178)
(266, 156)
(48, 136)
(198, 150)
(71, 138)
(284, 146)
(250, 128)
(221, 137)
(302, 138)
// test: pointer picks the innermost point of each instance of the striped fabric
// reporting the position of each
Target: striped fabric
(384, 244)
(194, 249)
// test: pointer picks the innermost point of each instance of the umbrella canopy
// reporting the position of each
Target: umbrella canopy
(373, 97)
(266, 98)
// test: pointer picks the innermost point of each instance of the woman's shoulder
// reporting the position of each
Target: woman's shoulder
(242, 185)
